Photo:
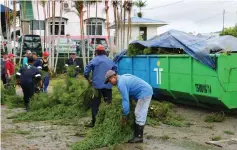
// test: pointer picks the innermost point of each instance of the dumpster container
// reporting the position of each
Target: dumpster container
(185, 80)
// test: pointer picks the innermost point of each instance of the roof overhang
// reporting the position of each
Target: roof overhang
(142, 24)
(63, 18)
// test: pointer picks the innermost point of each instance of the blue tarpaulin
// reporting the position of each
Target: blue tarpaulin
(198, 47)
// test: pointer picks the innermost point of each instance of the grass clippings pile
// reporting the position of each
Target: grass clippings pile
(215, 117)
(163, 112)
(66, 102)
(9, 96)
(108, 129)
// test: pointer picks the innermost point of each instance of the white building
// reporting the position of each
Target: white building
(71, 22)
(141, 29)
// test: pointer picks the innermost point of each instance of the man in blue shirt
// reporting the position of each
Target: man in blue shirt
(99, 66)
(27, 77)
(138, 89)
(25, 59)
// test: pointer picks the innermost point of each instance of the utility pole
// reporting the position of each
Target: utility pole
(223, 20)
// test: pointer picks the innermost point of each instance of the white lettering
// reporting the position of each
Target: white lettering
(158, 75)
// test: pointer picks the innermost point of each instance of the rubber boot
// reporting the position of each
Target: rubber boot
(138, 138)
(91, 124)
(27, 107)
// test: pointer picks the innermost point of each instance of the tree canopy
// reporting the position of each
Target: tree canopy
(230, 31)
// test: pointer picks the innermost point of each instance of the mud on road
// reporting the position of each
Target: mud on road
(48, 135)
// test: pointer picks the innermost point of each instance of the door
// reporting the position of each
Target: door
(143, 33)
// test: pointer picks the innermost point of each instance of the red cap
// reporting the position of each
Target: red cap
(46, 53)
(100, 48)
(11, 55)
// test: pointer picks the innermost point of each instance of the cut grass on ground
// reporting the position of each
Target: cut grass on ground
(215, 117)
(216, 138)
(229, 132)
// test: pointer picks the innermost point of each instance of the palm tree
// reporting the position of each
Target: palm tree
(59, 33)
(22, 27)
(107, 21)
(37, 3)
(121, 25)
(79, 7)
(140, 4)
(53, 41)
(14, 24)
(129, 9)
(49, 36)
(115, 7)
(43, 3)
(124, 21)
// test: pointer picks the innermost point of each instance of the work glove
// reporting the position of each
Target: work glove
(124, 120)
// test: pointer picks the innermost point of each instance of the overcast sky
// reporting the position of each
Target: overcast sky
(199, 16)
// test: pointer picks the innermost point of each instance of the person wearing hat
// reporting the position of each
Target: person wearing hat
(3, 69)
(45, 71)
(136, 88)
(25, 59)
(10, 67)
(99, 66)
(27, 77)
(37, 62)
(73, 61)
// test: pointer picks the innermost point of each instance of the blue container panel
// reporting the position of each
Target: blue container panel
(144, 67)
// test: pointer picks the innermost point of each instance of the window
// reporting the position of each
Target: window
(56, 28)
(91, 26)
(37, 25)
(143, 33)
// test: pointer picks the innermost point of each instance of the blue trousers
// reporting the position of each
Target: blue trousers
(45, 83)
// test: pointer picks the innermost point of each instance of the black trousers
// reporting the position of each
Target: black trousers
(28, 91)
(107, 95)
(4, 79)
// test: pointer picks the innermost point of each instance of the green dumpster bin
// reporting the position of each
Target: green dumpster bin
(185, 80)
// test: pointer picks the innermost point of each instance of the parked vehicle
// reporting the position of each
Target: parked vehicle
(65, 46)
(89, 45)
(30, 42)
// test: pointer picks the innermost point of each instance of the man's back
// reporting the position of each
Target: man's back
(99, 66)
(27, 74)
(136, 87)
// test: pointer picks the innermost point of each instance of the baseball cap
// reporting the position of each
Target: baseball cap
(28, 52)
(34, 53)
(108, 75)
(11, 55)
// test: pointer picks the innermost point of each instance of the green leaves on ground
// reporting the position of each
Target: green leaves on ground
(66, 102)
(108, 129)
(215, 117)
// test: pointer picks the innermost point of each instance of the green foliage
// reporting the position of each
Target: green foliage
(162, 112)
(9, 96)
(229, 132)
(139, 14)
(108, 129)
(134, 50)
(66, 102)
(165, 137)
(215, 117)
(230, 31)
(147, 51)
(216, 138)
